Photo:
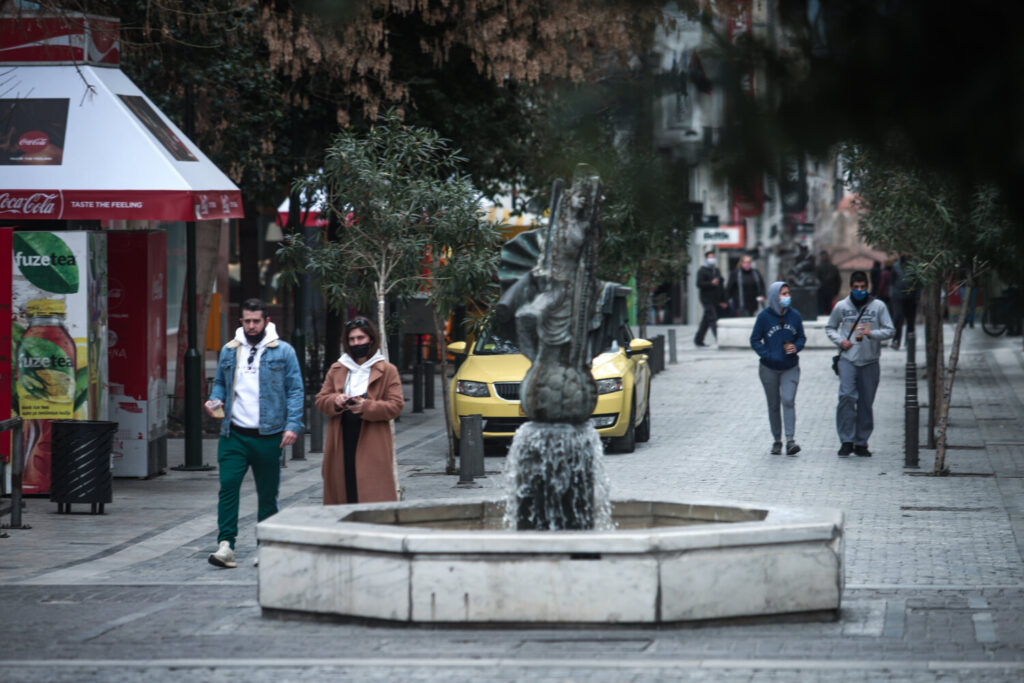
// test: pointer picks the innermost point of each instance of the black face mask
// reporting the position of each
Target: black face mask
(358, 351)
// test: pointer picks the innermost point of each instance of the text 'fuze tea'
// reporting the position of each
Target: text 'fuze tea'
(46, 363)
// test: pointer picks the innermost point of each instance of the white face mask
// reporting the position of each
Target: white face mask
(710, 261)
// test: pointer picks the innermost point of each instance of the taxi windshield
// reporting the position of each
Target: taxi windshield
(491, 344)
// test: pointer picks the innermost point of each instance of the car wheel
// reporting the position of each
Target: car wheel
(627, 442)
(643, 432)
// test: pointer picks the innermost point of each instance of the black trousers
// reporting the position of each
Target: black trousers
(351, 425)
(906, 310)
(709, 321)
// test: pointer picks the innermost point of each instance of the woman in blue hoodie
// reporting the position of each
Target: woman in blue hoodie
(778, 337)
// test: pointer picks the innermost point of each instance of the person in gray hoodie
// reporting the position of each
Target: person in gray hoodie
(858, 325)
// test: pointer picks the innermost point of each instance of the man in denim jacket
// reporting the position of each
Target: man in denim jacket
(258, 394)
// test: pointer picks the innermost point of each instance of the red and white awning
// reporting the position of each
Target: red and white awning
(80, 141)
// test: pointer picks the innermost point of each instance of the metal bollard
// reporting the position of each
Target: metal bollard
(299, 447)
(912, 411)
(672, 346)
(428, 385)
(471, 448)
(417, 388)
(17, 469)
(316, 431)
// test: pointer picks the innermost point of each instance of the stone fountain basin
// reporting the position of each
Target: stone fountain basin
(451, 562)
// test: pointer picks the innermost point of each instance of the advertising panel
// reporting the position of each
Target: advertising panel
(32, 131)
(137, 293)
(58, 328)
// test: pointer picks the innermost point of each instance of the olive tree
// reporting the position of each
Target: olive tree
(953, 232)
(408, 224)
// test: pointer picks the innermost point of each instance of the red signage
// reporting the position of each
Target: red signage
(72, 38)
(178, 205)
(6, 268)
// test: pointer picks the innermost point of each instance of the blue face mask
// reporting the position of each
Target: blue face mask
(784, 301)
(859, 294)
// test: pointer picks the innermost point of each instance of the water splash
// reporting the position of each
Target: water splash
(555, 479)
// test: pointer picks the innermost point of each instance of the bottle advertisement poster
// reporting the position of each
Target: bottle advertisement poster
(58, 338)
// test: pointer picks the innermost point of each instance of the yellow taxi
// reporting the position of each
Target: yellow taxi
(487, 383)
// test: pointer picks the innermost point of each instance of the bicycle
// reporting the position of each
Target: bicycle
(1003, 313)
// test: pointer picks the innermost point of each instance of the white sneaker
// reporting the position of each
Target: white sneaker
(224, 557)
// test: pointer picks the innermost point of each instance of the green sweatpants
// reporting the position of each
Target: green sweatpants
(236, 453)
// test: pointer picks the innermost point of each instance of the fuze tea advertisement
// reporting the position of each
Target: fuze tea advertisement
(58, 338)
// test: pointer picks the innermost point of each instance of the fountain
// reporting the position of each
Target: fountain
(557, 550)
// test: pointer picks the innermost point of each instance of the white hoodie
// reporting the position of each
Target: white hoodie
(358, 374)
(245, 408)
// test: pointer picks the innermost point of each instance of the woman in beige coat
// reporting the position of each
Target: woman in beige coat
(361, 394)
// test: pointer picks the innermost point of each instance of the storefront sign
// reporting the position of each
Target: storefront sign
(723, 236)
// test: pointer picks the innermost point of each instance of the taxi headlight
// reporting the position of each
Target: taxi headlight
(469, 388)
(608, 386)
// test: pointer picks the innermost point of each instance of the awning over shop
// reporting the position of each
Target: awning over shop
(81, 141)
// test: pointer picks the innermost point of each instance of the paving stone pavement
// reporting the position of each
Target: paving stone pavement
(934, 569)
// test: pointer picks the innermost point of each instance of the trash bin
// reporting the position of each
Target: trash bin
(80, 463)
(805, 301)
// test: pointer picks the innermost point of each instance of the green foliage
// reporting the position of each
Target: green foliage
(945, 225)
(408, 220)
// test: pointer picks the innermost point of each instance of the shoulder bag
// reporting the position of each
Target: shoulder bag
(835, 358)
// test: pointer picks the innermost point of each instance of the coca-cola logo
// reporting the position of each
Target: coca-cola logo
(34, 204)
(33, 141)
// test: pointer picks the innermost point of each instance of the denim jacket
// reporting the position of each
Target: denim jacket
(281, 392)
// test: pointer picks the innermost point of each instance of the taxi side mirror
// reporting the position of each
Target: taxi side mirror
(458, 348)
(638, 346)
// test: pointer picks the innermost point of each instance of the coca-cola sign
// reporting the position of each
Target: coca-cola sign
(34, 129)
(30, 204)
(33, 141)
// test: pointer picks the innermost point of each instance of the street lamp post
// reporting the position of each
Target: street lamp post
(912, 411)
(193, 366)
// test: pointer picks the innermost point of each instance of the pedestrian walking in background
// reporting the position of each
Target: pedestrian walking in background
(777, 337)
(257, 393)
(885, 284)
(905, 291)
(828, 279)
(876, 277)
(361, 394)
(746, 288)
(858, 325)
(712, 297)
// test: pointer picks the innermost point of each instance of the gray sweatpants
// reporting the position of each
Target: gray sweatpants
(855, 418)
(780, 390)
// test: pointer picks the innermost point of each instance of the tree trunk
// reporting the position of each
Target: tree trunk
(643, 296)
(947, 395)
(207, 252)
(382, 331)
(933, 354)
(248, 252)
(442, 345)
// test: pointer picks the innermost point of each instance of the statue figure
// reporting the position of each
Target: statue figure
(561, 314)
(802, 274)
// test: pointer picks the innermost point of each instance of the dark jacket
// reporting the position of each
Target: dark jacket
(735, 290)
(710, 294)
(774, 327)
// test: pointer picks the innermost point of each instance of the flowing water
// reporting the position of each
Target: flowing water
(555, 479)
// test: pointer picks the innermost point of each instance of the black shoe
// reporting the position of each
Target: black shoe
(697, 343)
(845, 449)
(862, 451)
(792, 448)
(777, 448)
